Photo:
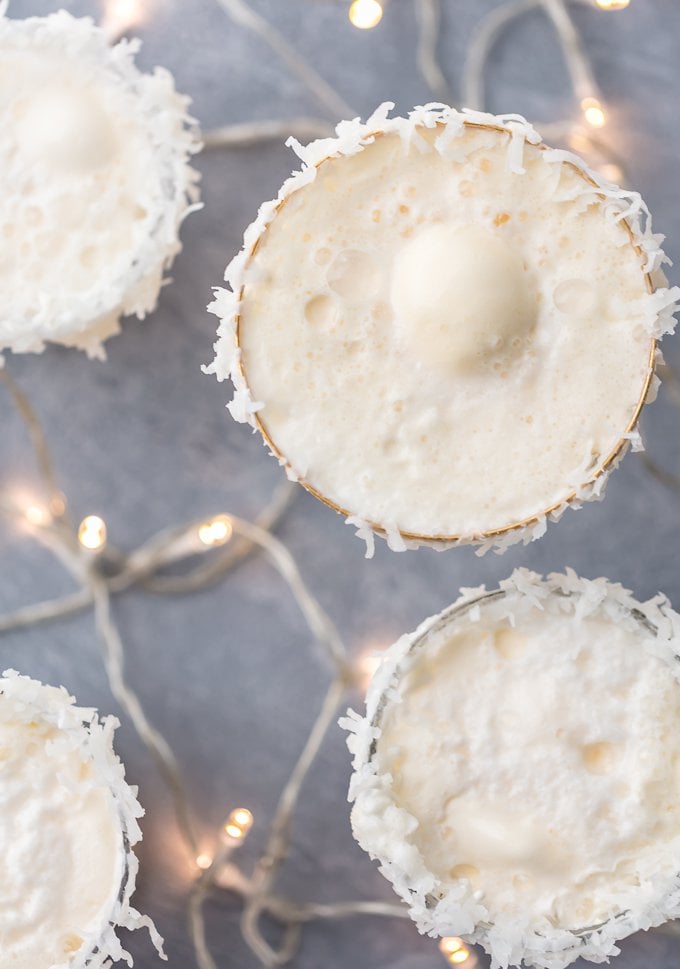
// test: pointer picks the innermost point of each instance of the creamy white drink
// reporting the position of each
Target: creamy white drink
(95, 182)
(444, 329)
(67, 823)
(517, 773)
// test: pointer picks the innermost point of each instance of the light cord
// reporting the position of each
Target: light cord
(111, 572)
(324, 94)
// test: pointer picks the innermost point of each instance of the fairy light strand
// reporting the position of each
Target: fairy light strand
(256, 132)
(327, 97)
(55, 499)
(428, 16)
(153, 556)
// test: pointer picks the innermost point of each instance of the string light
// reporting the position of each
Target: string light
(365, 14)
(217, 531)
(203, 861)
(456, 952)
(612, 4)
(366, 664)
(92, 532)
(450, 944)
(237, 825)
(57, 506)
(593, 112)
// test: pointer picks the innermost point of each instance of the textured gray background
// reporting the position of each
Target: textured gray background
(144, 440)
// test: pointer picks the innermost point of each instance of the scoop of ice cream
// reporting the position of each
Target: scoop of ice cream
(461, 297)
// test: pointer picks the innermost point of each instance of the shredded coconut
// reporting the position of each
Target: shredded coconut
(655, 310)
(590, 615)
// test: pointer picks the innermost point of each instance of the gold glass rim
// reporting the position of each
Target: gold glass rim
(488, 535)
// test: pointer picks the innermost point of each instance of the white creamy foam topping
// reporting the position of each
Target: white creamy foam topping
(522, 770)
(448, 326)
(94, 182)
(542, 764)
(61, 845)
(67, 823)
(439, 335)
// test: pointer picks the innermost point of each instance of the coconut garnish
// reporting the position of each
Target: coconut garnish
(68, 822)
(517, 772)
(443, 328)
(95, 182)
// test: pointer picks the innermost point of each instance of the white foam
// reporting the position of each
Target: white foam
(517, 774)
(95, 182)
(341, 357)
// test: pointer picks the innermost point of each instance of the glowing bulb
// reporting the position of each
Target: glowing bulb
(450, 944)
(612, 4)
(593, 112)
(217, 531)
(365, 14)
(580, 142)
(92, 532)
(367, 663)
(203, 861)
(237, 825)
(58, 506)
(242, 817)
(613, 172)
(456, 952)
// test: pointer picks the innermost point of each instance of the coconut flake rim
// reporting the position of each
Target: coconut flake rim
(352, 137)
(93, 737)
(153, 100)
(417, 888)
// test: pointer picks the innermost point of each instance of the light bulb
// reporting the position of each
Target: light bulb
(92, 532)
(203, 861)
(367, 663)
(237, 825)
(120, 16)
(612, 172)
(242, 817)
(57, 505)
(217, 531)
(593, 112)
(365, 14)
(450, 944)
(456, 952)
(612, 4)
